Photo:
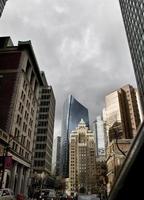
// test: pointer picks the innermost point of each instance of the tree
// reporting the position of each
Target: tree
(82, 190)
(101, 178)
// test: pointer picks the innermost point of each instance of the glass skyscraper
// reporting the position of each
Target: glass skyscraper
(73, 112)
(98, 129)
(133, 16)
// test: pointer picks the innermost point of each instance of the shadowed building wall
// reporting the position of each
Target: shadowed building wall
(133, 16)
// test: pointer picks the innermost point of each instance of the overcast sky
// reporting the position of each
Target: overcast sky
(80, 44)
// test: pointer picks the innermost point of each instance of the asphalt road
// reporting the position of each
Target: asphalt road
(88, 197)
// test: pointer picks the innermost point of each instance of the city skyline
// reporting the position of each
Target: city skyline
(71, 84)
(85, 47)
(73, 112)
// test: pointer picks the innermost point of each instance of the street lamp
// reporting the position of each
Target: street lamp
(116, 129)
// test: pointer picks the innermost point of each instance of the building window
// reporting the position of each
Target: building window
(44, 109)
(42, 123)
(24, 127)
(31, 122)
(39, 163)
(26, 155)
(41, 138)
(21, 151)
(16, 133)
(40, 154)
(28, 144)
(40, 146)
(18, 120)
(23, 140)
(14, 146)
(29, 133)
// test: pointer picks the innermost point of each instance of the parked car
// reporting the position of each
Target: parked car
(7, 194)
(47, 194)
(20, 197)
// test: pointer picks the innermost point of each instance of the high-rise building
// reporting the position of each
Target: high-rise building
(82, 159)
(73, 111)
(56, 156)
(20, 81)
(43, 143)
(121, 121)
(2, 4)
(98, 130)
(122, 112)
(133, 16)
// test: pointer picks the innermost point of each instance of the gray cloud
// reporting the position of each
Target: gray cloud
(80, 44)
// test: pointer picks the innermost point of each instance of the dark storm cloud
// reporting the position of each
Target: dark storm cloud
(80, 44)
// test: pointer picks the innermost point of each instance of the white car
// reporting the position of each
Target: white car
(7, 194)
(47, 194)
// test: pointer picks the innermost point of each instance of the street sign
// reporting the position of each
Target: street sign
(8, 162)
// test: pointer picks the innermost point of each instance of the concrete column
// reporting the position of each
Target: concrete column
(26, 181)
(19, 179)
(13, 175)
(4, 178)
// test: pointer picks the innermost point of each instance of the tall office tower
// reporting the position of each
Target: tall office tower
(122, 120)
(43, 143)
(73, 111)
(98, 130)
(82, 160)
(2, 4)
(133, 16)
(122, 113)
(56, 156)
(20, 81)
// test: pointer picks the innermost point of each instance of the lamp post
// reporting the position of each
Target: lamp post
(116, 129)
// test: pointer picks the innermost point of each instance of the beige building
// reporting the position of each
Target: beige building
(122, 119)
(67, 186)
(82, 159)
(121, 112)
(20, 81)
(43, 140)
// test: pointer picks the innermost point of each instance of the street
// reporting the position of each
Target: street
(88, 197)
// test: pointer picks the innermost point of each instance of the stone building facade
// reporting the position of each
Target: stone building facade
(82, 159)
(20, 81)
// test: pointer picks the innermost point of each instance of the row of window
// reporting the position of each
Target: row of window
(39, 163)
(40, 146)
(42, 131)
(44, 103)
(21, 150)
(40, 154)
(43, 116)
(41, 138)
(42, 123)
(44, 109)
(19, 120)
(45, 96)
